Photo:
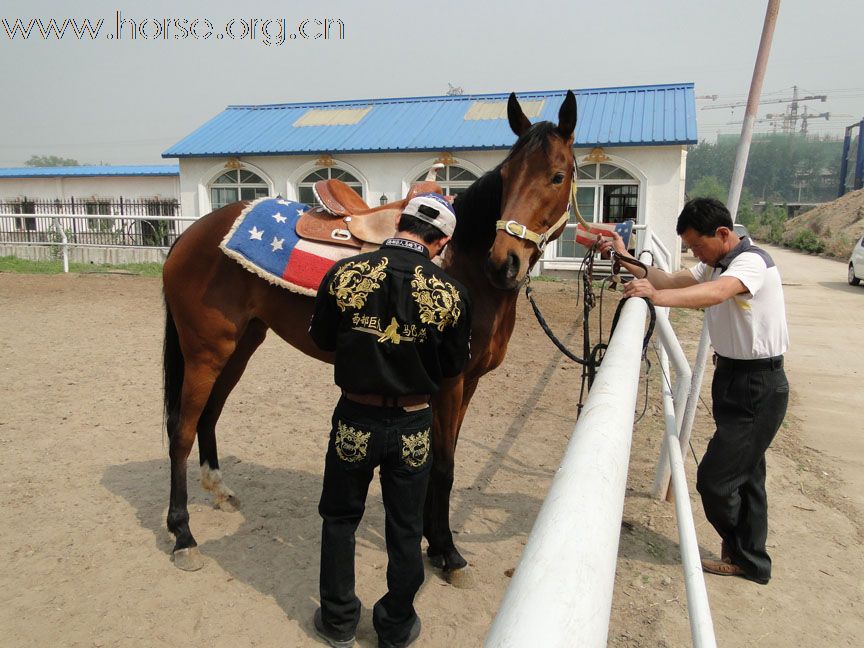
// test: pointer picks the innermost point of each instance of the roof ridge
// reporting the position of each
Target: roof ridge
(463, 97)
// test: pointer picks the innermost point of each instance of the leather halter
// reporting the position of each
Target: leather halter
(520, 231)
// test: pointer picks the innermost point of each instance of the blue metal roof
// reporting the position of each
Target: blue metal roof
(626, 116)
(90, 171)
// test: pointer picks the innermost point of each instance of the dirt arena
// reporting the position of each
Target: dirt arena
(83, 464)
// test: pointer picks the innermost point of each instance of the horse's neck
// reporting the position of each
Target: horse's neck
(495, 308)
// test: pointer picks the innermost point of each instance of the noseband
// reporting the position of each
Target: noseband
(520, 231)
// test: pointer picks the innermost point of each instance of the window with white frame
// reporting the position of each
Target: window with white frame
(237, 184)
(304, 187)
(605, 193)
(453, 179)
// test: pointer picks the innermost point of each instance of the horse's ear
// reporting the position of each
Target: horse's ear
(567, 116)
(518, 121)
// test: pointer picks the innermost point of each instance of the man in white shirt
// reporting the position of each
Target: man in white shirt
(739, 287)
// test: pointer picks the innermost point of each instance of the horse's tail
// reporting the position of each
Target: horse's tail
(172, 371)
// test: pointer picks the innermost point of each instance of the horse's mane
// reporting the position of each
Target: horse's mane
(479, 206)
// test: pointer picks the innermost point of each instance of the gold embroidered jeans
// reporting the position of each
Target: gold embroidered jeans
(362, 438)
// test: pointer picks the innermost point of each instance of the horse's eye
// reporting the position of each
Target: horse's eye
(558, 178)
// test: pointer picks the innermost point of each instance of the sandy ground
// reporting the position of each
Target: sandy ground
(84, 474)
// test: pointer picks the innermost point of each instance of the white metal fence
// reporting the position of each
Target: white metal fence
(561, 592)
(119, 229)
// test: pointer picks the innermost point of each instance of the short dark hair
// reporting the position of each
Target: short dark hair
(426, 231)
(703, 215)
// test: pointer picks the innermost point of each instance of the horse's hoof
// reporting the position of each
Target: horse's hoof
(460, 578)
(436, 560)
(228, 504)
(189, 559)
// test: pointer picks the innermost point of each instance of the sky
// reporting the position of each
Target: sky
(117, 99)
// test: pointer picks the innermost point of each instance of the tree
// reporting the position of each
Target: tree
(50, 161)
(780, 168)
(708, 187)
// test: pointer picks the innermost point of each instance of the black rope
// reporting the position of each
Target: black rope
(592, 356)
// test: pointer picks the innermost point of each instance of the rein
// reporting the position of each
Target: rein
(592, 356)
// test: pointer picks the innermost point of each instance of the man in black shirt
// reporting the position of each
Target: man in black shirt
(399, 326)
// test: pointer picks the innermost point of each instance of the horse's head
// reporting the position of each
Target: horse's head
(536, 177)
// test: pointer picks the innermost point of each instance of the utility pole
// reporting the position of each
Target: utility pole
(743, 150)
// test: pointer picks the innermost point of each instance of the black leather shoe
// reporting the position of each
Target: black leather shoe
(330, 636)
(412, 635)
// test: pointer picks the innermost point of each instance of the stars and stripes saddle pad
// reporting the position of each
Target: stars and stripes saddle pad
(263, 240)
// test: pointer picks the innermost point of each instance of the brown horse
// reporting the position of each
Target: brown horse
(217, 314)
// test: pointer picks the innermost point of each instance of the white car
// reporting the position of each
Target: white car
(856, 263)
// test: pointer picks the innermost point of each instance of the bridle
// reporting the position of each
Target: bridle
(520, 231)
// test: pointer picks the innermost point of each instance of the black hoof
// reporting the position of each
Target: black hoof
(447, 560)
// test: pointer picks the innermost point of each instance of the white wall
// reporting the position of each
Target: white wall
(380, 173)
(132, 187)
(659, 169)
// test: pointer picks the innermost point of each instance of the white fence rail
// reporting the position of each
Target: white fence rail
(561, 592)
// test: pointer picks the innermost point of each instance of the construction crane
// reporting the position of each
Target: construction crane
(790, 117)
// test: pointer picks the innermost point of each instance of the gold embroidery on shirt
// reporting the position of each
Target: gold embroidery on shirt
(354, 281)
(438, 300)
(391, 333)
(351, 444)
(415, 448)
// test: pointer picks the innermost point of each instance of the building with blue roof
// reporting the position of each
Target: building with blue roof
(630, 144)
(88, 185)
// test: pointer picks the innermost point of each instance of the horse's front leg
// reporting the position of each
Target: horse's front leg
(450, 404)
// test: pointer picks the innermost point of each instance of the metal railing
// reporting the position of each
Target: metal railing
(561, 592)
(91, 222)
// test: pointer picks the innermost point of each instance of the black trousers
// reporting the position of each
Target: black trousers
(749, 403)
(363, 437)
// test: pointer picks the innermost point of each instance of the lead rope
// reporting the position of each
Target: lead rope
(592, 356)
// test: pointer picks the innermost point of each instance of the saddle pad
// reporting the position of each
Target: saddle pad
(602, 230)
(264, 241)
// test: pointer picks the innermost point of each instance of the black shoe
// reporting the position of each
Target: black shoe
(329, 635)
(413, 633)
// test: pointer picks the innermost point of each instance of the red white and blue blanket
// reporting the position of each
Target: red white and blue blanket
(264, 241)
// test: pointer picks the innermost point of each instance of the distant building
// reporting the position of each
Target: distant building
(101, 206)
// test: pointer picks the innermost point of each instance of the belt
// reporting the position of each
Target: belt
(759, 364)
(383, 400)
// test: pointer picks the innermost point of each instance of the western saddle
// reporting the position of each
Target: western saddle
(345, 219)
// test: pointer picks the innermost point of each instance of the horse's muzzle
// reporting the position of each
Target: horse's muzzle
(505, 275)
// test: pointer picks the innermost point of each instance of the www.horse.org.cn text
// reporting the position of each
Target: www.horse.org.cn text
(271, 32)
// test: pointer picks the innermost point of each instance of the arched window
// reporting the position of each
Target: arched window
(453, 179)
(305, 193)
(234, 185)
(605, 194)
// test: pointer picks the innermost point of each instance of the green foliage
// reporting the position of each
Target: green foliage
(25, 266)
(779, 168)
(768, 225)
(50, 161)
(807, 241)
(708, 187)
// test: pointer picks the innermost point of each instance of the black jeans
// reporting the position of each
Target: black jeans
(363, 437)
(748, 407)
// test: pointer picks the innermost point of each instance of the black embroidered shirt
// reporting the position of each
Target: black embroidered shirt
(397, 322)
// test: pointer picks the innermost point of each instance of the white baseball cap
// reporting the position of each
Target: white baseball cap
(434, 209)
